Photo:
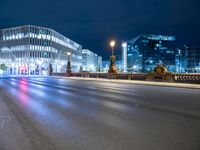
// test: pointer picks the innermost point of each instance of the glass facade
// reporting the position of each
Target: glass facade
(91, 61)
(30, 49)
(99, 65)
(192, 59)
(180, 61)
(145, 52)
(124, 57)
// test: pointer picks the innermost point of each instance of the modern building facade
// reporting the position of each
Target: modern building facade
(124, 56)
(30, 49)
(91, 62)
(99, 64)
(188, 59)
(118, 62)
(192, 59)
(180, 60)
(145, 52)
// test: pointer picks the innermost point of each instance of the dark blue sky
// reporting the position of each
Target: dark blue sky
(93, 23)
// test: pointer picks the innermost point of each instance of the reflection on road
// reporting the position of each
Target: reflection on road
(76, 114)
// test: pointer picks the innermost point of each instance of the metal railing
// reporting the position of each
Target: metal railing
(187, 78)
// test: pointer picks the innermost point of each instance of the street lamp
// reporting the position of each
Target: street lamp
(68, 53)
(112, 67)
(50, 69)
(68, 63)
(112, 45)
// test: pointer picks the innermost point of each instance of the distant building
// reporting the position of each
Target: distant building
(145, 52)
(31, 49)
(180, 61)
(105, 65)
(99, 64)
(124, 57)
(91, 61)
(118, 62)
(192, 59)
(188, 59)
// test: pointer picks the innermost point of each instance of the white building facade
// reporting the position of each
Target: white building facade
(31, 49)
(124, 57)
(90, 61)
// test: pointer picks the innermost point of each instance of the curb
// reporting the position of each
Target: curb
(149, 83)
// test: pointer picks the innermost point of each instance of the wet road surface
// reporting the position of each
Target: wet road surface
(72, 114)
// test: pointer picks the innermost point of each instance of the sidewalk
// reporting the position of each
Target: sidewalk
(179, 85)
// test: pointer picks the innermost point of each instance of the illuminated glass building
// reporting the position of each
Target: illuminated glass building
(188, 59)
(30, 49)
(180, 61)
(91, 61)
(192, 59)
(145, 52)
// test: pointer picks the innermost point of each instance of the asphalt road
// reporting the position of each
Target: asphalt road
(71, 114)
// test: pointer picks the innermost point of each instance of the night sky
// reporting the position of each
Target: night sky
(93, 23)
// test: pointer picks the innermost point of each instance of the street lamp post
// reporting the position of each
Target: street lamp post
(50, 70)
(112, 45)
(68, 63)
(112, 67)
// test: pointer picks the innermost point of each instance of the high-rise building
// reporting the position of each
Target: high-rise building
(30, 49)
(145, 52)
(192, 59)
(124, 57)
(91, 61)
(180, 60)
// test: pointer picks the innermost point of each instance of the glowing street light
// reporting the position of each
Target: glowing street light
(112, 45)
(124, 45)
(112, 67)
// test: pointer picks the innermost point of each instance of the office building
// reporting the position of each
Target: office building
(30, 49)
(124, 56)
(145, 52)
(180, 60)
(192, 59)
(99, 64)
(91, 62)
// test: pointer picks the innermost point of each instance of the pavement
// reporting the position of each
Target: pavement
(85, 114)
(152, 83)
